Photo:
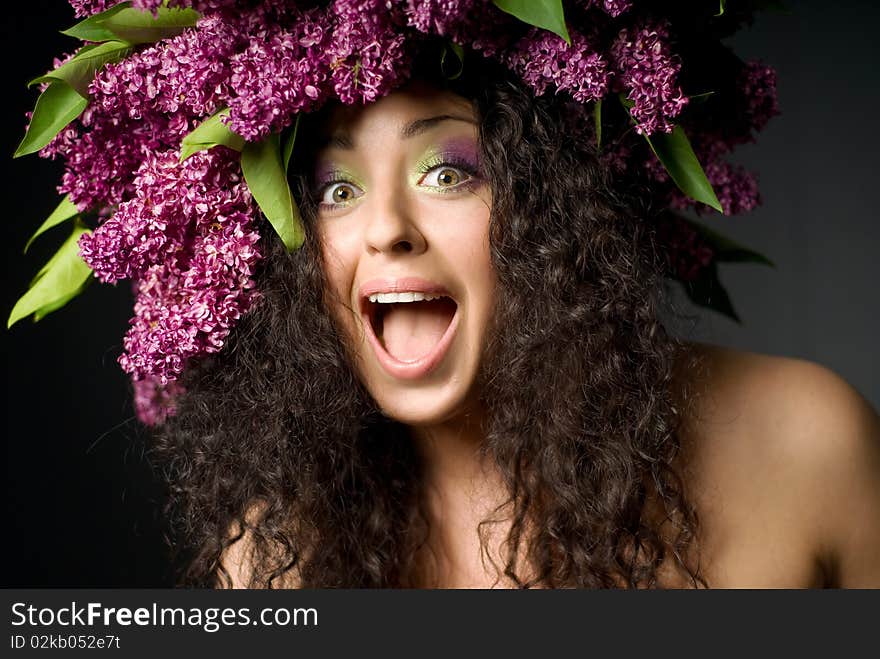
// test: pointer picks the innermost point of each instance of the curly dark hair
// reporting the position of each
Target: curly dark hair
(276, 437)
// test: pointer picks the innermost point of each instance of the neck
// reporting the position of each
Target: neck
(451, 450)
(461, 488)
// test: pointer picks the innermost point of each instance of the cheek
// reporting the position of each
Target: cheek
(471, 250)
(339, 271)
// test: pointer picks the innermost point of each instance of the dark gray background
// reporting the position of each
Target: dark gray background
(80, 497)
(817, 165)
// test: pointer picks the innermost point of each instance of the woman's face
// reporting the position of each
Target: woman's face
(404, 211)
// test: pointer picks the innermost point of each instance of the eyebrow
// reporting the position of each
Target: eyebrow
(344, 142)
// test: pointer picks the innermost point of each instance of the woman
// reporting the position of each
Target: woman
(529, 423)
(535, 426)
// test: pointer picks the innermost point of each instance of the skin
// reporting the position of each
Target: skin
(393, 221)
(780, 457)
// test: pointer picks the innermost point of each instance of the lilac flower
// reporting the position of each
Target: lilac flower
(648, 72)
(477, 23)
(102, 152)
(184, 310)
(735, 187)
(543, 59)
(758, 103)
(185, 233)
(280, 74)
(367, 53)
(613, 8)
(173, 201)
(187, 72)
(155, 402)
(141, 105)
(82, 8)
(188, 240)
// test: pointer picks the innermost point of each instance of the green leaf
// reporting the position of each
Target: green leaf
(288, 144)
(56, 107)
(721, 4)
(597, 122)
(458, 53)
(91, 29)
(210, 133)
(675, 152)
(79, 71)
(263, 169)
(63, 212)
(57, 282)
(727, 249)
(547, 14)
(136, 26)
(707, 291)
(42, 312)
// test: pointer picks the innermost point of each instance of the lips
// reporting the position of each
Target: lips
(402, 285)
(415, 328)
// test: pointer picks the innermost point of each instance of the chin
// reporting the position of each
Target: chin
(425, 408)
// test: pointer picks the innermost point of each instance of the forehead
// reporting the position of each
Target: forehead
(402, 114)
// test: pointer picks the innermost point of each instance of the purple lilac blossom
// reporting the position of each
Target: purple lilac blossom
(613, 8)
(172, 201)
(155, 402)
(735, 187)
(185, 233)
(187, 72)
(184, 311)
(82, 8)
(544, 59)
(759, 102)
(140, 105)
(477, 23)
(102, 152)
(187, 240)
(367, 53)
(648, 72)
(280, 74)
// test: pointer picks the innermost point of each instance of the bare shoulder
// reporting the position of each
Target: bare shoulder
(782, 459)
(238, 560)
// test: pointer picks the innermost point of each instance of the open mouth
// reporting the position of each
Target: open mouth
(409, 331)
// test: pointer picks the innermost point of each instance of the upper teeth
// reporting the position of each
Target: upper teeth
(386, 298)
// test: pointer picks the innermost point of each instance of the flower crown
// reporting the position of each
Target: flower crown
(176, 121)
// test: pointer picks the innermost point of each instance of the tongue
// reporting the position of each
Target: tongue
(410, 330)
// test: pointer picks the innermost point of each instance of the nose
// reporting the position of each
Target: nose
(392, 227)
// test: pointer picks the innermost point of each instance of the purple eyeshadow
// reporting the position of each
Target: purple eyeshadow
(462, 149)
(323, 173)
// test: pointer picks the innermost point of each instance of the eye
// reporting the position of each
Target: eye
(338, 193)
(445, 175)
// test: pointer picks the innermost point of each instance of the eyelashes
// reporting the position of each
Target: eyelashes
(340, 183)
